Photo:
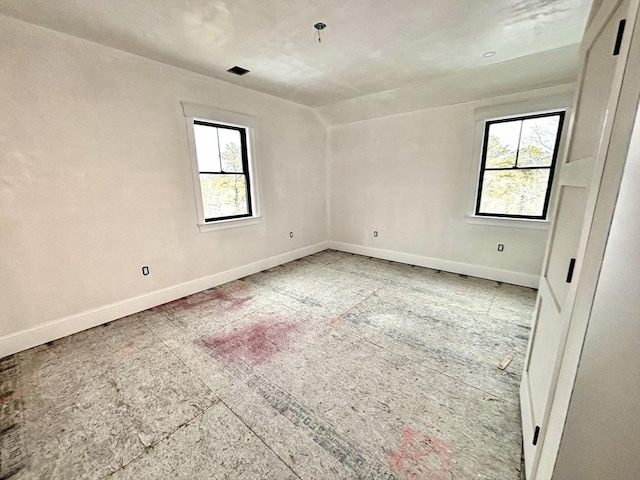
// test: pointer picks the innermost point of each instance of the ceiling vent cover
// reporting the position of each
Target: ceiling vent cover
(238, 70)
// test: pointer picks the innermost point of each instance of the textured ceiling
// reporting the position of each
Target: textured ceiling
(368, 46)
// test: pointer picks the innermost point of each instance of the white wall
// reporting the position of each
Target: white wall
(96, 182)
(601, 437)
(408, 176)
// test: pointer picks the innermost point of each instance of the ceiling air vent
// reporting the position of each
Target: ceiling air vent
(238, 70)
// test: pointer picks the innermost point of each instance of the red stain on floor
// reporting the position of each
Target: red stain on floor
(229, 299)
(6, 396)
(253, 344)
(421, 456)
(127, 350)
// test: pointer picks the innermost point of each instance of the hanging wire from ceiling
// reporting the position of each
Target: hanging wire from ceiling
(319, 26)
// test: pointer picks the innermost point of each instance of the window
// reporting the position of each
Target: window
(223, 170)
(222, 147)
(518, 160)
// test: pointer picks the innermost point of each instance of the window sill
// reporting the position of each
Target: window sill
(508, 222)
(226, 224)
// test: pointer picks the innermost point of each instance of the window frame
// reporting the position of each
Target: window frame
(556, 150)
(550, 99)
(245, 168)
(237, 121)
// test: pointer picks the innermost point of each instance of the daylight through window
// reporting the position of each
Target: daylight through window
(223, 170)
(518, 160)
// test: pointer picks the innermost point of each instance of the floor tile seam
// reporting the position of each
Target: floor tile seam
(317, 413)
(272, 290)
(475, 387)
(355, 337)
(364, 299)
(290, 296)
(304, 263)
(339, 315)
(408, 310)
(166, 437)
(414, 266)
(390, 303)
(189, 369)
(285, 293)
(413, 289)
(329, 263)
(297, 299)
(235, 319)
(319, 267)
(217, 399)
(174, 314)
(429, 367)
(240, 419)
(484, 280)
(495, 293)
(198, 336)
(380, 279)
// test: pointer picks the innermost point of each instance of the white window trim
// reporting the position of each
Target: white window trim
(193, 111)
(557, 103)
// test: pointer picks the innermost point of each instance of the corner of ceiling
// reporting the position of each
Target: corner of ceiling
(533, 72)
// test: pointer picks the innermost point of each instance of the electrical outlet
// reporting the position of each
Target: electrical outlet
(375, 233)
(145, 270)
(500, 247)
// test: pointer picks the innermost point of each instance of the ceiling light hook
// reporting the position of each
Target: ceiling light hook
(319, 26)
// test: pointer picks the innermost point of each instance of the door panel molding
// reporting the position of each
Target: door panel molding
(578, 173)
(604, 199)
(587, 173)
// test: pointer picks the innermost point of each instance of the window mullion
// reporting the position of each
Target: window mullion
(519, 141)
(219, 154)
(494, 169)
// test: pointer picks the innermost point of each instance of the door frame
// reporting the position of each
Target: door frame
(603, 184)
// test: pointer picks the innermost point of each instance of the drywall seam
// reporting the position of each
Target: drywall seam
(506, 276)
(25, 339)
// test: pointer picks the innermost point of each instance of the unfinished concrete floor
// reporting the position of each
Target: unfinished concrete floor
(334, 366)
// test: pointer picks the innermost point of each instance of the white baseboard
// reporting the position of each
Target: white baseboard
(506, 276)
(16, 342)
(25, 339)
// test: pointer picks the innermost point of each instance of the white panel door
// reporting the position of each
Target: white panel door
(599, 88)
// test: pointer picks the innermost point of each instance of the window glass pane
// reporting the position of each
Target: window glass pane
(503, 144)
(224, 195)
(514, 192)
(538, 141)
(230, 150)
(206, 148)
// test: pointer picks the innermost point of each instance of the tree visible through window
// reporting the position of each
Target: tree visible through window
(518, 160)
(223, 169)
